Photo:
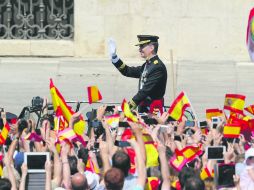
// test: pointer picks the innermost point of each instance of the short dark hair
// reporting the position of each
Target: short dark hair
(156, 46)
(73, 164)
(114, 179)
(184, 174)
(194, 183)
(5, 184)
(121, 160)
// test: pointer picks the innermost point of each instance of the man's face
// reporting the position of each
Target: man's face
(146, 50)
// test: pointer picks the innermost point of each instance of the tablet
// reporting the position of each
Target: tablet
(36, 161)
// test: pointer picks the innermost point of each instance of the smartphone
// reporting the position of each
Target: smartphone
(215, 152)
(110, 108)
(122, 143)
(203, 124)
(177, 138)
(189, 123)
(224, 177)
(149, 121)
(124, 124)
(215, 122)
(189, 132)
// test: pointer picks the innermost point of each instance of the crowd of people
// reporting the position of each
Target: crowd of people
(116, 157)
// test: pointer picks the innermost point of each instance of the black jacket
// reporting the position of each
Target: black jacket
(152, 85)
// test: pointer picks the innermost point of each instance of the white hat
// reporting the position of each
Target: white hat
(249, 153)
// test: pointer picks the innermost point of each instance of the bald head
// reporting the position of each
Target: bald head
(79, 182)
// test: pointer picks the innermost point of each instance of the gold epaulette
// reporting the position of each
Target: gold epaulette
(155, 62)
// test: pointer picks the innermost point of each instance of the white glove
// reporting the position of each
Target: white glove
(112, 47)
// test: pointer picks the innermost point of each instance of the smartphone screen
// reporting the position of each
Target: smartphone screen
(122, 143)
(202, 123)
(225, 175)
(110, 108)
(215, 153)
(177, 138)
(124, 124)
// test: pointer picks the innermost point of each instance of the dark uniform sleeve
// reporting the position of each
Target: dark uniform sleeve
(153, 79)
(127, 71)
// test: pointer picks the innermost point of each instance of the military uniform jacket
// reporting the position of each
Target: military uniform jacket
(152, 79)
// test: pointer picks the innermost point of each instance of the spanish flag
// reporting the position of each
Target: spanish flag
(67, 133)
(178, 162)
(190, 152)
(250, 109)
(250, 35)
(152, 183)
(59, 103)
(4, 133)
(178, 106)
(232, 130)
(234, 103)
(94, 94)
(90, 166)
(127, 112)
(213, 113)
(205, 173)
(176, 185)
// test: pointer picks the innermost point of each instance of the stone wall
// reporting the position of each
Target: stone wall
(193, 29)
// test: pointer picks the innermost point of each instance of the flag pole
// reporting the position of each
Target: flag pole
(193, 110)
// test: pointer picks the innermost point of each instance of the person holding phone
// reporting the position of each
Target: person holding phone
(247, 175)
(152, 74)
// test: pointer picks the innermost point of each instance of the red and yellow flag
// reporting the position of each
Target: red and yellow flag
(205, 173)
(213, 113)
(178, 162)
(250, 109)
(190, 152)
(90, 166)
(4, 133)
(67, 133)
(232, 130)
(94, 94)
(178, 106)
(152, 183)
(59, 103)
(127, 112)
(176, 185)
(234, 103)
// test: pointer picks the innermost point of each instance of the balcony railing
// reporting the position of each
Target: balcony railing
(36, 19)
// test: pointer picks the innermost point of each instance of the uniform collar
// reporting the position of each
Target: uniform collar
(152, 59)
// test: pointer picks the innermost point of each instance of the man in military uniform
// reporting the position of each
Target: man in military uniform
(152, 74)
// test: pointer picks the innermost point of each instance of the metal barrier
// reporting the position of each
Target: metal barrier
(36, 19)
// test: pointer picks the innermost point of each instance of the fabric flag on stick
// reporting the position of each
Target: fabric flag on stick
(213, 113)
(232, 130)
(190, 152)
(113, 120)
(4, 133)
(127, 112)
(67, 133)
(177, 162)
(90, 166)
(176, 185)
(152, 183)
(250, 35)
(250, 109)
(234, 103)
(178, 106)
(94, 94)
(205, 173)
(59, 103)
